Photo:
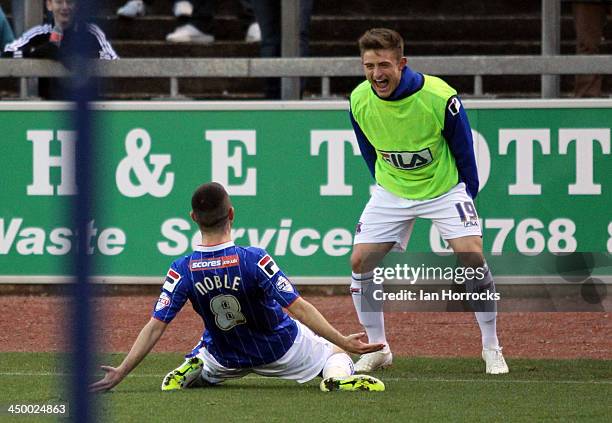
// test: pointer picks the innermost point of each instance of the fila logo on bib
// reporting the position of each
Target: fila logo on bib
(407, 160)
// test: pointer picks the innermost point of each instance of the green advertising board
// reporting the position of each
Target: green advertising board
(297, 181)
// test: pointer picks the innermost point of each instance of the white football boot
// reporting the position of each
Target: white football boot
(494, 360)
(374, 360)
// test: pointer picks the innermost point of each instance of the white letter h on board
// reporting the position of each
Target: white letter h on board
(42, 162)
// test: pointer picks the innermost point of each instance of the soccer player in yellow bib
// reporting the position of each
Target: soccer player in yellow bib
(415, 137)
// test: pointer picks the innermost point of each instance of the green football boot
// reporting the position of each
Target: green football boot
(184, 375)
(352, 383)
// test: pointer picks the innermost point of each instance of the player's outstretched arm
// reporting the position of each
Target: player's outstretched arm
(311, 317)
(148, 337)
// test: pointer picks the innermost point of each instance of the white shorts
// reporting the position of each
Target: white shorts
(302, 362)
(389, 218)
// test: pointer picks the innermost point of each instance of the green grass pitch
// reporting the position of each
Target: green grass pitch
(418, 389)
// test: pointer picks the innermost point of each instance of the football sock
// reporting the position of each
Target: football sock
(369, 312)
(338, 365)
(488, 329)
(485, 311)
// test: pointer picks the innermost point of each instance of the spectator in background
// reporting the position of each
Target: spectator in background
(6, 32)
(52, 41)
(194, 18)
(589, 21)
(268, 15)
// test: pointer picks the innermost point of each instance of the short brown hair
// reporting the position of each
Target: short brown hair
(211, 204)
(381, 39)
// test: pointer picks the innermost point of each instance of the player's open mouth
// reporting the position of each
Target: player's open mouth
(381, 84)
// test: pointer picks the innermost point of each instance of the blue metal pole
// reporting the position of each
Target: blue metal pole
(81, 93)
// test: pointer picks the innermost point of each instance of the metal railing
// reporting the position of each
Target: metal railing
(323, 67)
(551, 43)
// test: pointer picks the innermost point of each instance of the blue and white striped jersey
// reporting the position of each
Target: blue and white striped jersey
(239, 293)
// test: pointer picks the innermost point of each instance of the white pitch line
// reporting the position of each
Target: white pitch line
(407, 379)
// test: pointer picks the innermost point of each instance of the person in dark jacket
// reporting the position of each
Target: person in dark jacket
(53, 41)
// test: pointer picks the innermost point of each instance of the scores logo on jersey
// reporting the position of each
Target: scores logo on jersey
(162, 302)
(214, 263)
(407, 160)
(268, 266)
(172, 277)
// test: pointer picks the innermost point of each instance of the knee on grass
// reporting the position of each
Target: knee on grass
(338, 365)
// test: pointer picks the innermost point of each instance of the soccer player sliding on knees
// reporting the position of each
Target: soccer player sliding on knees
(240, 292)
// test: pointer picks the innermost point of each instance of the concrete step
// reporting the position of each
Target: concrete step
(354, 7)
(367, 7)
(376, 7)
(225, 27)
(332, 27)
(415, 19)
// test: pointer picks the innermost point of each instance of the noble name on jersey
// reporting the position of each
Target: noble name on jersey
(239, 292)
